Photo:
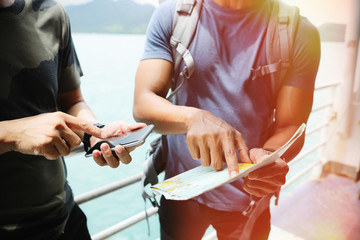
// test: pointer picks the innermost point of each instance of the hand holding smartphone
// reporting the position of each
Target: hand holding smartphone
(127, 139)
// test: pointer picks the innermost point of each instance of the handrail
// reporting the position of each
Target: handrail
(329, 104)
(107, 188)
(304, 154)
(124, 224)
(329, 85)
(299, 175)
(315, 129)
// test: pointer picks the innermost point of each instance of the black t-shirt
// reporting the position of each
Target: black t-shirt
(37, 61)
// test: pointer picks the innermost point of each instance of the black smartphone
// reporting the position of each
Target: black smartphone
(127, 139)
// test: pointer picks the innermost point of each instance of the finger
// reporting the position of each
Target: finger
(242, 148)
(75, 123)
(231, 161)
(230, 157)
(278, 168)
(259, 187)
(71, 139)
(216, 156)
(108, 155)
(278, 180)
(49, 151)
(255, 192)
(130, 149)
(134, 126)
(98, 158)
(193, 147)
(123, 154)
(204, 154)
(61, 147)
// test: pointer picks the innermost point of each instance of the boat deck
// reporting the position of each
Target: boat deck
(322, 209)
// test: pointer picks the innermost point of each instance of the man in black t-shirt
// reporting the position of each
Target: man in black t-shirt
(43, 116)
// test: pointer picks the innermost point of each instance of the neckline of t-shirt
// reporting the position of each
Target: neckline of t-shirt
(244, 11)
(14, 11)
(15, 8)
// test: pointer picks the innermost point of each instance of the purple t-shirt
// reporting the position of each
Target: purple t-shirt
(227, 44)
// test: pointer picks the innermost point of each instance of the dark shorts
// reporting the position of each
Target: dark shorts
(190, 219)
(76, 228)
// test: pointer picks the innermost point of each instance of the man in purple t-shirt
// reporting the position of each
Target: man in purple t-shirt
(221, 115)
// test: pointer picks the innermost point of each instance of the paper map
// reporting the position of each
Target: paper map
(201, 179)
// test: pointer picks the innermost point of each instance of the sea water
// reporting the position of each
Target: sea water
(109, 63)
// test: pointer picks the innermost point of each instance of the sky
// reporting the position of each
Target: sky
(317, 11)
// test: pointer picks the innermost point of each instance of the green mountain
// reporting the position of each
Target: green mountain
(110, 16)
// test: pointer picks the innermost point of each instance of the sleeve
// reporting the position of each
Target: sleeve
(306, 57)
(70, 70)
(158, 33)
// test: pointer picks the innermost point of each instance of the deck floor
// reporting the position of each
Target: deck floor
(323, 209)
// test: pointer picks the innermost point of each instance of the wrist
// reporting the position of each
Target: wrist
(7, 137)
(271, 150)
(86, 138)
(192, 115)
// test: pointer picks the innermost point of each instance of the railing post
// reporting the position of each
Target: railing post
(342, 151)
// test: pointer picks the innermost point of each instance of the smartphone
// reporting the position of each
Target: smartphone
(127, 139)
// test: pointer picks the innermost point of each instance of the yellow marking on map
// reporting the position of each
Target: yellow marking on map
(245, 165)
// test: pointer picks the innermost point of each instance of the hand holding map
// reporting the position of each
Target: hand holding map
(201, 179)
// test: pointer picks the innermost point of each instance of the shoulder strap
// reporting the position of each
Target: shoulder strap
(185, 21)
(280, 37)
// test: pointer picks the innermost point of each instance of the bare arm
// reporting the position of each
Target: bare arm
(74, 104)
(153, 80)
(293, 108)
(207, 136)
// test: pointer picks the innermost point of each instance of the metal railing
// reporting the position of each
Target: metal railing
(85, 197)
(91, 195)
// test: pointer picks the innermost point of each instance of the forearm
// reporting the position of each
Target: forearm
(167, 117)
(281, 136)
(83, 111)
(7, 136)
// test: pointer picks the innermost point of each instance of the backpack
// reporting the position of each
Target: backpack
(280, 36)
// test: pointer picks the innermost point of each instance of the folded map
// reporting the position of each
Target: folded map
(201, 179)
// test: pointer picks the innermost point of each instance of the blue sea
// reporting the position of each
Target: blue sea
(109, 63)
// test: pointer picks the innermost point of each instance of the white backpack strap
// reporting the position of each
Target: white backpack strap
(280, 38)
(185, 21)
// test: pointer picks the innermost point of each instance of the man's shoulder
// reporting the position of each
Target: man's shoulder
(307, 35)
(41, 5)
(49, 7)
(306, 26)
(167, 6)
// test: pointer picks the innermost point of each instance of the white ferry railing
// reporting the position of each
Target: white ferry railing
(85, 197)
(124, 224)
